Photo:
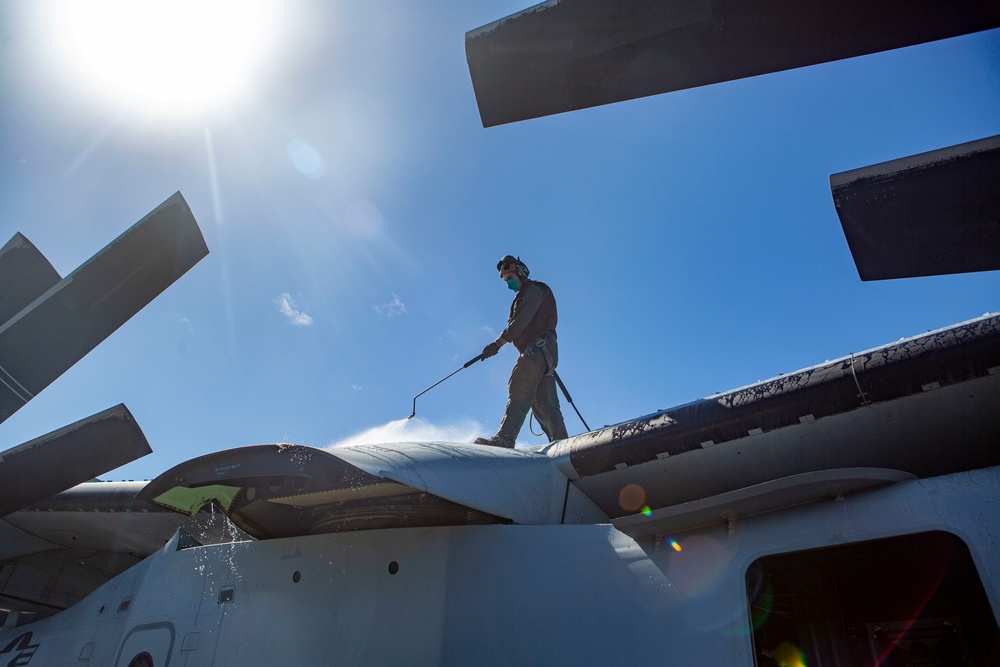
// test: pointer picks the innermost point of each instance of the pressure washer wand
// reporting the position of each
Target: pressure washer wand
(467, 364)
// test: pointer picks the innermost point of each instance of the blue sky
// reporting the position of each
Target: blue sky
(355, 209)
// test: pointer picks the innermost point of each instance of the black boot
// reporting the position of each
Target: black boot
(496, 441)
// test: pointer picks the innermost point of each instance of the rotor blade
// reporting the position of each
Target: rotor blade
(25, 275)
(563, 55)
(925, 215)
(69, 456)
(55, 331)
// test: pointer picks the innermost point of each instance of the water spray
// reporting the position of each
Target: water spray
(467, 364)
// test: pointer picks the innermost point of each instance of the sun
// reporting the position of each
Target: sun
(167, 57)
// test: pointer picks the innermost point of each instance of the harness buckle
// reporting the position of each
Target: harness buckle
(536, 346)
(539, 346)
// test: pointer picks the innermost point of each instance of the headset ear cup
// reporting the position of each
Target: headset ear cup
(511, 263)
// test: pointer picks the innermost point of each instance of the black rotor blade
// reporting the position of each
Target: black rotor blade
(25, 275)
(46, 338)
(69, 456)
(564, 55)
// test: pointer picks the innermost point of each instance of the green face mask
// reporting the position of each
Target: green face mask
(512, 284)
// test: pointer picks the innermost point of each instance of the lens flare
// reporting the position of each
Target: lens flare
(674, 543)
(306, 158)
(632, 497)
(700, 567)
(788, 655)
(646, 511)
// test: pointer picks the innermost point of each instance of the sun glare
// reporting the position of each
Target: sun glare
(166, 57)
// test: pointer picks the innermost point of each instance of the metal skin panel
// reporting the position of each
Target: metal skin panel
(25, 275)
(937, 432)
(44, 340)
(768, 496)
(494, 595)
(15, 542)
(924, 215)
(952, 355)
(269, 491)
(59, 550)
(49, 582)
(284, 490)
(84, 450)
(106, 516)
(564, 55)
(890, 407)
(521, 486)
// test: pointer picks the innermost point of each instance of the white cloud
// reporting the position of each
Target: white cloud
(287, 307)
(394, 307)
(415, 430)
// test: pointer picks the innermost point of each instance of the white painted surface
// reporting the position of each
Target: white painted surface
(499, 595)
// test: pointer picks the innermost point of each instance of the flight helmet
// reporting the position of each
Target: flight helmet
(511, 263)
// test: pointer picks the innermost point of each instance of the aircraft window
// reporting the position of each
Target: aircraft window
(393, 567)
(125, 604)
(141, 660)
(227, 594)
(902, 601)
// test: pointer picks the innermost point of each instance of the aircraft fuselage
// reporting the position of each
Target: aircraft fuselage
(551, 594)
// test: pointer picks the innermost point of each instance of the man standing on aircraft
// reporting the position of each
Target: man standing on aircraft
(531, 326)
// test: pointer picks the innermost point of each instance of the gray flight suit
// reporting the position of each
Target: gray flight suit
(531, 327)
(530, 387)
